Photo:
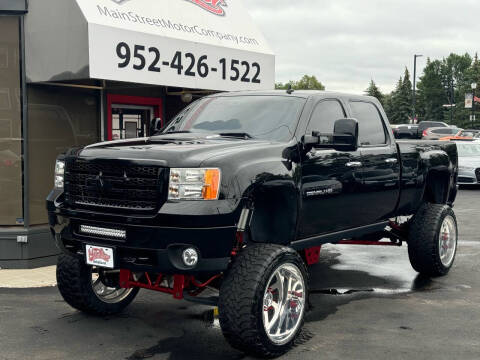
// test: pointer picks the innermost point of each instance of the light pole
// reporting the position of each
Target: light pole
(474, 86)
(414, 85)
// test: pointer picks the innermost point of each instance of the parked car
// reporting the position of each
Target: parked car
(468, 162)
(467, 134)
(405, 131)
(424, 125)
(238, 193)
(435, 133)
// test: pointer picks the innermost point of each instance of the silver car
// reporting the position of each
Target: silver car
(468, 162)
(435, 133)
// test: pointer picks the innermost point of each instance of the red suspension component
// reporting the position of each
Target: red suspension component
(312, 255)
(239, 244)
(180, 283)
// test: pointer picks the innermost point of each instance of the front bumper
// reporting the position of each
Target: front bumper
(468, 177)
(153, 243)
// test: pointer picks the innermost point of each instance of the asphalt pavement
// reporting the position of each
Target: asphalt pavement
(366, 303)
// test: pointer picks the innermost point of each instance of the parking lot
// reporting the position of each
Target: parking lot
(366, 303)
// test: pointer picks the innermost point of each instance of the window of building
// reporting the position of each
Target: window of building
(370, 125)
(11, 210)
(58, 118)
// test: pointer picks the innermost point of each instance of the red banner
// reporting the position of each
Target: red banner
(477, 99)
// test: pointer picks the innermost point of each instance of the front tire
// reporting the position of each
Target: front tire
(263, 300)
(91, 290)
(432, 241)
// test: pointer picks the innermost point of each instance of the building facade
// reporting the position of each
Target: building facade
(75, 72)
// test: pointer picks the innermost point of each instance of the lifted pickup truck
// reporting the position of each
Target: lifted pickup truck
(237, 193)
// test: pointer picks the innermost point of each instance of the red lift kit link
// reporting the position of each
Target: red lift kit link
(242, 203)
(180, 283)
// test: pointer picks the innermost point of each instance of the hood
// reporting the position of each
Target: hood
(470, 161)
(172, 150)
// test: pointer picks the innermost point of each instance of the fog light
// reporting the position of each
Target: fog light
(190, 257)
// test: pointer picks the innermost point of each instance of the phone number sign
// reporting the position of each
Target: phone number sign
(141, 58)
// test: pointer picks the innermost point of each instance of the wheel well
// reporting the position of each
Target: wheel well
(436, 187)
(274, 216)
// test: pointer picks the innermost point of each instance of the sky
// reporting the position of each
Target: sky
(346, 43)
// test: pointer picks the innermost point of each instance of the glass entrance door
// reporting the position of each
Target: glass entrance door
(130, 121)
(130, 116)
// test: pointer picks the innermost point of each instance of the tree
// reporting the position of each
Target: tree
(400, 104)
(431, 93)
(374, 91)
(443, 82)
(305, 83)
(454, 72)
(388, 106)
(395, 118)
(472, 75)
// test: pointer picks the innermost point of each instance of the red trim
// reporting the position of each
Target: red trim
(157, 104)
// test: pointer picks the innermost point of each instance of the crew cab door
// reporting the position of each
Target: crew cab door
(380, 185)
(330, 180)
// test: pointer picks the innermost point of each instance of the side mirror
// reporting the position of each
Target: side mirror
(155, 125)
(344, 137)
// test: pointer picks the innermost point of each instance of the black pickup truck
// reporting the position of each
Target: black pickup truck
(237, 193)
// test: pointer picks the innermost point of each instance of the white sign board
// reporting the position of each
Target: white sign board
(468, 101)
(202, 44)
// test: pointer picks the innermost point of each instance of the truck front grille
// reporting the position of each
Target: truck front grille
(114, 186)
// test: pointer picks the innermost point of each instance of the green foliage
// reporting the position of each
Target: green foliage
(443, 82)
(374, 91)
(305, 83)
(431, 94)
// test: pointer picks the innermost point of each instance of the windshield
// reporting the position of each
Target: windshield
(266, 117)
(471, 149)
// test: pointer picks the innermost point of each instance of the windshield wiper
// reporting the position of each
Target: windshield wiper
(176, 132)
(242, 135)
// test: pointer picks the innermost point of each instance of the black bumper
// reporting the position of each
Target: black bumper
(150, 247)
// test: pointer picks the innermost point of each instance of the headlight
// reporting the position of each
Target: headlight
(194, 184)
(59, 174)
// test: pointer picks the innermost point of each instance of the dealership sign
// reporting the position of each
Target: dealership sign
(181, 43)
(213, 6)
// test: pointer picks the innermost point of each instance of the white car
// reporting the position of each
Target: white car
(468, 162)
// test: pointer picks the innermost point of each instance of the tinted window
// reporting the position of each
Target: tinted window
(265, 117)
(74, 114)
(445, 131)
(10, 123)
(370, 125)
(324, 116)
(428, 124)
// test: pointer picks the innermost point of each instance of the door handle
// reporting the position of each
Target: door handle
(391, 161)
(354, 164)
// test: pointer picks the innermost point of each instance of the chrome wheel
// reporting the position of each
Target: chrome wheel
(284, 303)
(106, 292)
(447, 241)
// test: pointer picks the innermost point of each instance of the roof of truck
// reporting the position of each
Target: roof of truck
(296, 93)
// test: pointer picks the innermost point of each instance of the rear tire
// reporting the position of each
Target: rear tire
(263, 300)
(432, 241)
(96, 296)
